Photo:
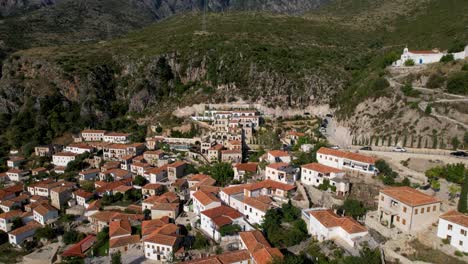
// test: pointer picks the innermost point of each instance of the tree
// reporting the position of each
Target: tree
(222, 172)
(139, 180)
(428, 109)
(447, 58)
(353, 208)
(409, 62)
(200, 242)
(17, 222)
(147, 213)
(72, 236)
(455, 143)
(116, 258)
(229, 230)
(463, 202)
(45, 232)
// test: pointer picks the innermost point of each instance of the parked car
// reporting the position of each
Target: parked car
(329, 115)
(366, 148)
(335, 147)
(459, 153)
(399, 149)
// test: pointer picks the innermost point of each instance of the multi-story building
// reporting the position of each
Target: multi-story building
(63, 158)
(212, 220)
(324, 224)
(59, 196)
(79, 148)
(44, 213)
(274, 156)
(93, 135)
(116, 137)
(203, 200)
(6, 219)
(176, 170)
(316, 174)
(281, 172)
(346, 160)
(453, 226)
(407, 209)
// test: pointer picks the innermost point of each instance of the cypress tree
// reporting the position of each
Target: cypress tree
(463, 202)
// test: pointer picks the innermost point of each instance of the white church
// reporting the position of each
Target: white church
(427, 56)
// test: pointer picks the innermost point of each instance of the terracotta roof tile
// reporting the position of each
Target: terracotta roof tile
(409, 196)
(456, 217)
(29, 226)
(120, 228)
(347, 155)
(262, 204)
(222, 215)
(329, 219)
(321, 168)
(249, 166)
(123, 241)
(205, 198)
(231, 257)
(278, 153)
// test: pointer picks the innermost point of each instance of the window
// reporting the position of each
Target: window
(404, 209)
(398, 218)
(449, 227)
(428, 209)
(403, 221)
(422, 210)
(463, 232)
(434, 208)
(460, 243)
(415, 211)
(382, 198)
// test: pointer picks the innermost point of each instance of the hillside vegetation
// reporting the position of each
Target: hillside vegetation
(325, 57)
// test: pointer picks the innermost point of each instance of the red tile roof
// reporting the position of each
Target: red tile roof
(409, 196)
(176, 164)
(278, 165)
(262, 203)
(456, 217)
(222, 215)
(78, 249)
(83, 193)
(148, 226)
(249, 166)
(270, 184)
(347, 155)
(234, 189)
(167, 240)
(229, 257)
(26, 228)
(205, 198)
(329, 219)
(321, 168)
(259, 248)
(44, 208)
(278, 153)
(11, 214)
(120, 228)
(123, 241)
(423, 51)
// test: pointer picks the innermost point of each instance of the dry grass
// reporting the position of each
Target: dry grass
(427, 254)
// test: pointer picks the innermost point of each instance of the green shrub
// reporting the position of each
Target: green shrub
(447, 58)
(458, 253)
(409, 63)
(435, 81)
(465, 67)
(408, 90)
(457, 83)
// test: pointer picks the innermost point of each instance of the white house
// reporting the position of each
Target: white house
(346, 160)
(78, 148)
(255, 208)
(90, 174)
(63, 158)
(44, 213)
(115, 137)
(17, 236)
(6, 219)
(244, 169)
(453, 226)
(161, 242)
(82, 197)
(156, 175)
(324, 224)
(420, 57)
(15, 162)
(203, 200)
(315, 173)
(92, 135)
(281, 172)
(213, 219)
(16, 174)
(278, 156)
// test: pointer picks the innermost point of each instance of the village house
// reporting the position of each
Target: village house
(115, 174)
(120, 235)
(212, 220)
(152, 189)
(45, 151)
(214, 153)
(260, 250)
(324, 224)
(162, 243)
(14, 202)
(176, 170)
(255, 208)
(231, 155)
(274, 156)
(420, 57)
(89, 174)
(17, 236)
(62, 159)
(316, 174)
(82, 197)
(16, 175)
(292, 137)
(79, 249)
(101, 219)
(60, 195)
(156, 175)
(453, 227)
(242, 170)
(281, 172)
(229, 257)
(407, 209)
(37, 171)
(116, 137)
(7, 218)
(268, 187)
(44, 214)
(15, 162)
(78, 148)
(117, 151)
(346, 160)
(233, 145)
(139, 168)
(203, 200)
(153, 157)
(92, 135)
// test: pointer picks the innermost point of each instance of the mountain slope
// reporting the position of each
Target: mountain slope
(281, 61)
